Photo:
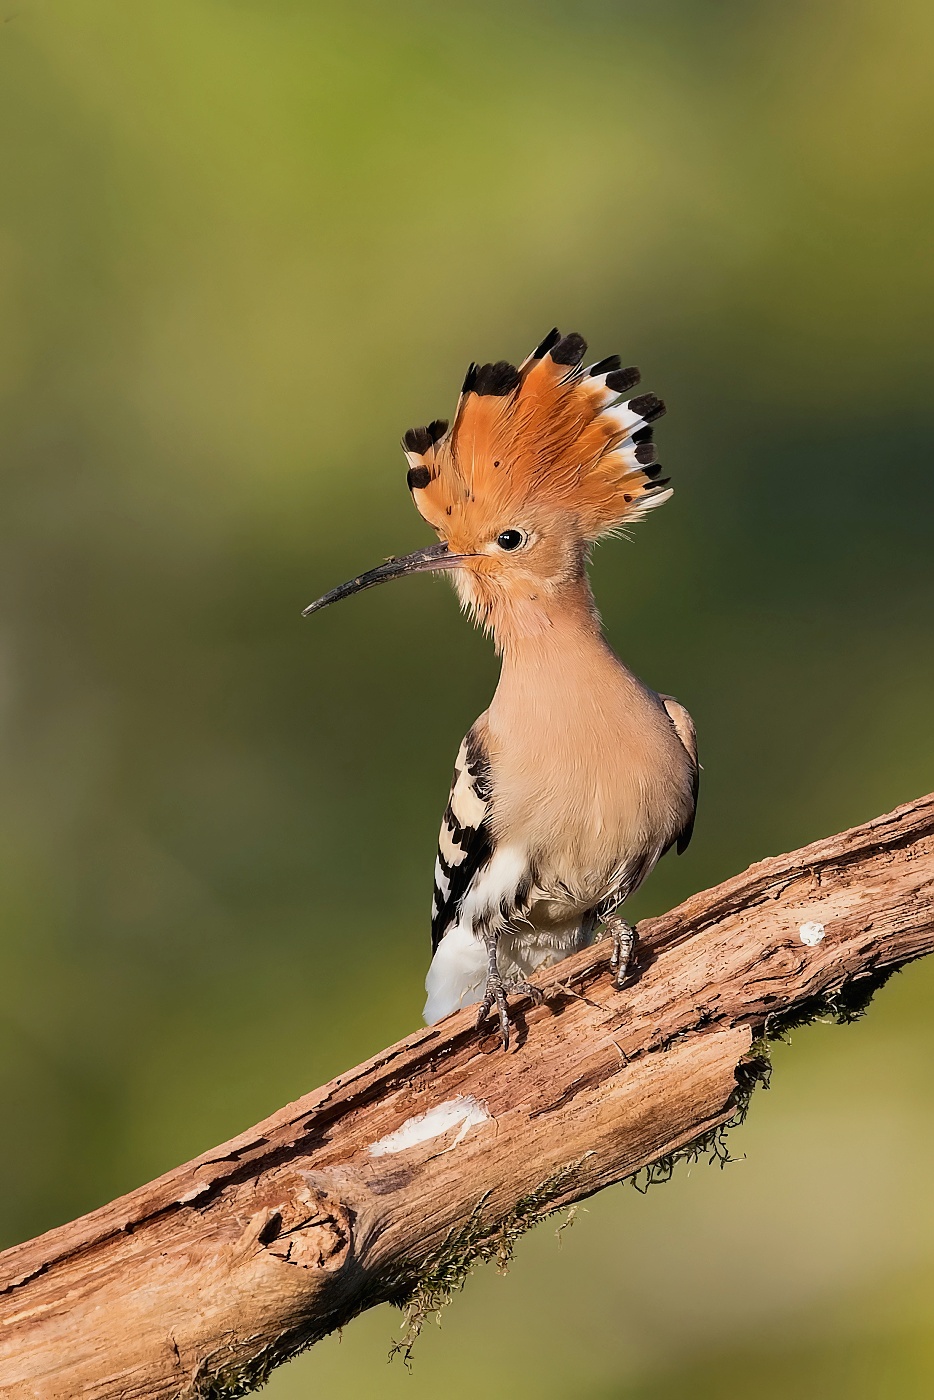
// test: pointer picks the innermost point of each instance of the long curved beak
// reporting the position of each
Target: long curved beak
(434, 556)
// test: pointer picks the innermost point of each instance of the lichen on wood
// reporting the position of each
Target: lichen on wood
(477, 1241)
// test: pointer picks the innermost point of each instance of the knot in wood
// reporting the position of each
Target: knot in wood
(307, 1227)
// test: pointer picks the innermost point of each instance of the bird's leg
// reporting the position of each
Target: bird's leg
(624, 941)
(495, 994)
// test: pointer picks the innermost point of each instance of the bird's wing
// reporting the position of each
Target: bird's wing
(465, 844)
(684, 728)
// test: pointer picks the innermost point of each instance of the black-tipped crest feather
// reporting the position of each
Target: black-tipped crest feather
(648, 406)
(550, 340)
(497, 379)
(622, 380)
(570, 349)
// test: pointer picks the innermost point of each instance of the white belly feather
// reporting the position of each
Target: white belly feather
(457, 975)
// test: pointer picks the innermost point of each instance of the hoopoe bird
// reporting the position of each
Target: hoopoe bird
(578, 777)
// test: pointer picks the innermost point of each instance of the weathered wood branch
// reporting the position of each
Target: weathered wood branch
(200, 1282)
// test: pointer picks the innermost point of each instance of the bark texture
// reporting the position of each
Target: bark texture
(388, 1182)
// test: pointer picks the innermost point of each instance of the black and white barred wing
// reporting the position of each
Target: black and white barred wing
(465, 844)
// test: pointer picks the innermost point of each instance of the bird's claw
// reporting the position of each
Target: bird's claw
(495, 996)
(624, 941)
(528, 989)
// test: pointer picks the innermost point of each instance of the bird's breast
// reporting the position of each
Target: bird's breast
(592, 797)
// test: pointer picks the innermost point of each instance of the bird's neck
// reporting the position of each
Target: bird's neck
(551, 647)
(545, 619)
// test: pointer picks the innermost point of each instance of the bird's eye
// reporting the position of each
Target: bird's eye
(511, 539)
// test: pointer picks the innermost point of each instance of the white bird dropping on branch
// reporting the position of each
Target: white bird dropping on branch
(464, 1112)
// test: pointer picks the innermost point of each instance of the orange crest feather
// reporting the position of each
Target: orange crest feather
(550, 433)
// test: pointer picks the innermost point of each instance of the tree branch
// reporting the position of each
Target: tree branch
(389, 1182)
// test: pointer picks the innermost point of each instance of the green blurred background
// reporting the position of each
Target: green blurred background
(243, 246)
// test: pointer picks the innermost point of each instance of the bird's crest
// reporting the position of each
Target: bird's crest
(550, 431)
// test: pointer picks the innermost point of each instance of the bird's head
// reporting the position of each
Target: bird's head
(539, 462)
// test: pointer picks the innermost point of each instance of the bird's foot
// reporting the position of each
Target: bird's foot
(528, 989)
(624, 941)
(495, 995)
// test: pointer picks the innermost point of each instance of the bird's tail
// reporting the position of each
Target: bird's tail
(457, 974)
